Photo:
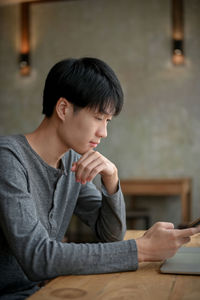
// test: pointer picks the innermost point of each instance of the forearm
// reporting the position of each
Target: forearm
(111, 224)
(105, 214)
(88, 259)
(42, 258)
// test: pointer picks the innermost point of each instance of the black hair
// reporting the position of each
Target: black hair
(85, 82)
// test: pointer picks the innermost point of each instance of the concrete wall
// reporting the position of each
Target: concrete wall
(158, 132)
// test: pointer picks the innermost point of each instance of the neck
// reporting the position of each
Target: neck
(46, 143)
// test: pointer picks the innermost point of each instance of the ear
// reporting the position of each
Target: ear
(62, 107)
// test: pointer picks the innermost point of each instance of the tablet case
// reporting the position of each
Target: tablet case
(185, 261)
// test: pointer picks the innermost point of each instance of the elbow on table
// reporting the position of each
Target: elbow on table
(113, 236)
(120, 234)
(34, 275)
(36, 271)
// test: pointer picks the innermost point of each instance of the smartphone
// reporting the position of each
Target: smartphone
(194, 223)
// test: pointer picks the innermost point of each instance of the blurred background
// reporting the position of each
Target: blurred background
(157, 135)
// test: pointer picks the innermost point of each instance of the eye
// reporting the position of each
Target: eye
(99, 118)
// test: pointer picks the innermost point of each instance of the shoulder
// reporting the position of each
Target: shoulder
(11, 140)
(8, 142)
(10, 146)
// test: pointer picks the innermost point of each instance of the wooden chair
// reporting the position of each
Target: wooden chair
(181, 187)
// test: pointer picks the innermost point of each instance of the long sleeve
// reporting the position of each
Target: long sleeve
(39, 255)
(104, 213)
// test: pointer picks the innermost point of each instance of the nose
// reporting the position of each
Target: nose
(102, 131)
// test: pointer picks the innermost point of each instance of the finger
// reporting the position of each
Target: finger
(76, 163)
(85, 156)
(96, 170)
(80, 165)
(84, 161)
(168, 225)
(91, 170)
(165, 225)
(181, 241)
(74, 166)
(187, 232)
(83, 171)
(185, 240)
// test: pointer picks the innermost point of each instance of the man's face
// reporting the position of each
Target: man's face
(84, 129)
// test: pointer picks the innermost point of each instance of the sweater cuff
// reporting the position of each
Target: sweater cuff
(106, 194)
(133, 254)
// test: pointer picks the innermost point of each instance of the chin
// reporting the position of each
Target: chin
(81, 151)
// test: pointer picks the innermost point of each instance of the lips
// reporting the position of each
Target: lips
(94, 144)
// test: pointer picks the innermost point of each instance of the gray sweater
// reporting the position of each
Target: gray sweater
(37, 202)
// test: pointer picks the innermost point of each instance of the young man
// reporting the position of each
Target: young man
(46, 176)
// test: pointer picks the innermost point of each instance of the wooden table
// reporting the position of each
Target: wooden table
(147, 283)
(181, 187)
